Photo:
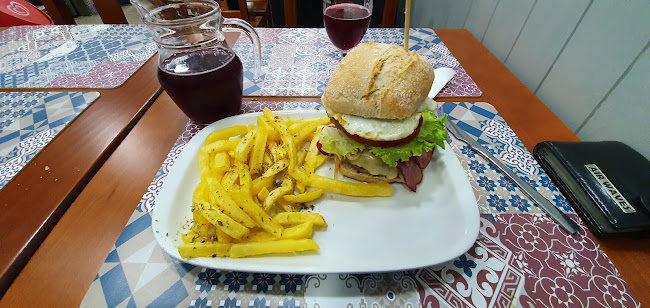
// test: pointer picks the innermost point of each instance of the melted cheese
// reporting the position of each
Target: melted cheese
(373, 164)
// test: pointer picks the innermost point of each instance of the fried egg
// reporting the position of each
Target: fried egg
(382, 129)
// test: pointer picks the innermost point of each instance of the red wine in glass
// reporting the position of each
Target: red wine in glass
(204, 95)
(346, 24)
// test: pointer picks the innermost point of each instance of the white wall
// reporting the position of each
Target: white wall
(588, 61)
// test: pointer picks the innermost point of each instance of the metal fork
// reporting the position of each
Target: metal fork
(558, 216)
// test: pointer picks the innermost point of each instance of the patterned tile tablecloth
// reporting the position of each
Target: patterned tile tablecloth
(299, 61)
(30, 120)
(72, 56)
(521, 258)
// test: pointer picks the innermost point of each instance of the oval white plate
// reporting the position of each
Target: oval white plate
(406, 231)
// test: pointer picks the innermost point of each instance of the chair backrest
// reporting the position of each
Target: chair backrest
(390, 12)
(59, 11)
(242, 12)
(290, 14)
(111, 12)
(387, 20)
(223, 4)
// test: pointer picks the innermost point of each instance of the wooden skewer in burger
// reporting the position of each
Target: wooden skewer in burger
(383, 128)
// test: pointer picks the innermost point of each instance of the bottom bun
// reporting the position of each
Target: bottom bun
(360, 174)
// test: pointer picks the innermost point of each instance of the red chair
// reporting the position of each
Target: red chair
(21, 13)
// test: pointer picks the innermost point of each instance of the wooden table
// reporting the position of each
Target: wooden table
(63, 268)
(37, 197)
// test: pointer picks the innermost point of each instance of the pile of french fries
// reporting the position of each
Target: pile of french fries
(253, 180)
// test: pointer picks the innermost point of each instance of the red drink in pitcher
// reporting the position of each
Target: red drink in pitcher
(206, 84)
(196, 67)
(346, 24)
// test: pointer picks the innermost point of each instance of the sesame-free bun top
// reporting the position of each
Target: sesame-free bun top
(379, 81)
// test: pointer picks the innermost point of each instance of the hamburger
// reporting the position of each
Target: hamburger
(383, 130)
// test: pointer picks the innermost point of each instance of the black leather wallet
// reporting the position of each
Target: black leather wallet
(606, 182)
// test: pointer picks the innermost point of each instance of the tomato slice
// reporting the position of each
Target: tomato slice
(319, 146)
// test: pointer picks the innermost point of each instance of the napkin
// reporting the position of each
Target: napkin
(443, 76)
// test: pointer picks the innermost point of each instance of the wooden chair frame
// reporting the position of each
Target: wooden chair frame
(387, 19)
(110, 11)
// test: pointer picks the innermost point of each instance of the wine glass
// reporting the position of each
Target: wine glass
(346, 22)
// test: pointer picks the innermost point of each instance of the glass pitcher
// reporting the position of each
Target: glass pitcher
(196, 66)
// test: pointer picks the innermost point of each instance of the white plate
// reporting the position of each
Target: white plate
(406, 231)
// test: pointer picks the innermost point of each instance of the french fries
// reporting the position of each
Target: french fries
(253, 179)
(274, 195)
(304, 197)
(295, 218)
(222, 221)
(260, 217)
(209, 249)
(301, 231)
(280, 246)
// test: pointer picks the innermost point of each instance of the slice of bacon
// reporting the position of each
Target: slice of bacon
(411, 172)
(425, 159)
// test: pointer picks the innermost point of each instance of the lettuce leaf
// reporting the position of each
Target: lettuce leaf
(335, 141)
(431, 133)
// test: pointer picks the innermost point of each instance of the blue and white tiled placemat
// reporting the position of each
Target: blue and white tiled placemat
(300, 61)
(72, 56)
(30, 120)
(522, 257)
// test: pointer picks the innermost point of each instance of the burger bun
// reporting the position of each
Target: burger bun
(379, 81)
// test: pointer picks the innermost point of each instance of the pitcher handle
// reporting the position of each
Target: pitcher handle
(241, 26)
